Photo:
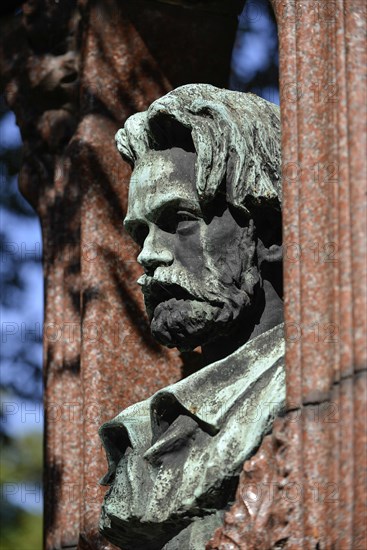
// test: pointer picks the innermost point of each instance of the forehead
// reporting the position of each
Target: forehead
(159, 178)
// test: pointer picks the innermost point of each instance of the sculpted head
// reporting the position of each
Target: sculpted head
(204, 206)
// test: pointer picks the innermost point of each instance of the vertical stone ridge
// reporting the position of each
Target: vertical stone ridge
(325, 426)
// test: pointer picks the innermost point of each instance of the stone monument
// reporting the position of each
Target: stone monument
(205, 208)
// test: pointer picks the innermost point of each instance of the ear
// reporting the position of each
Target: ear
(268, 223)
(271, 254)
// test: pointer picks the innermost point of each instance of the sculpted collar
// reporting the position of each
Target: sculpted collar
(174, 459)
(206, 396)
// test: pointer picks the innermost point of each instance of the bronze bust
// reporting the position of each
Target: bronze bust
(205, 208)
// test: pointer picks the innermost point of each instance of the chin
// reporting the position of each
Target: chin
(187, 324)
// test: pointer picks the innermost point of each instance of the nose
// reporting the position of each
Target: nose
(155, 251)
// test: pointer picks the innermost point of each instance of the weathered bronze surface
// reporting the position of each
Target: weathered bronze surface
(205, 209)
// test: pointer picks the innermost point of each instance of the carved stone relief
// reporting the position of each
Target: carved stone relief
(205, 208)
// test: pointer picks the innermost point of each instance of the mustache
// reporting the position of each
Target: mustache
(170, 282)
(180, 284)
(157, 291)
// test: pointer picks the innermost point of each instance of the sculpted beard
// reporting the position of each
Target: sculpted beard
(186, 314)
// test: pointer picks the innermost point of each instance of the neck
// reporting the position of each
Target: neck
(266, 313)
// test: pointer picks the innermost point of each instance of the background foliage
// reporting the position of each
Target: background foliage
(20, 381)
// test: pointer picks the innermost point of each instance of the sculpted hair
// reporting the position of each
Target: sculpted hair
(236, 137)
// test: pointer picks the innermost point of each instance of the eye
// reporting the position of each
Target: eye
(183, 216)
(172, 220)
(186, 222)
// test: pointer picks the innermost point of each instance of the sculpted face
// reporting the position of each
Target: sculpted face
(199, 265)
